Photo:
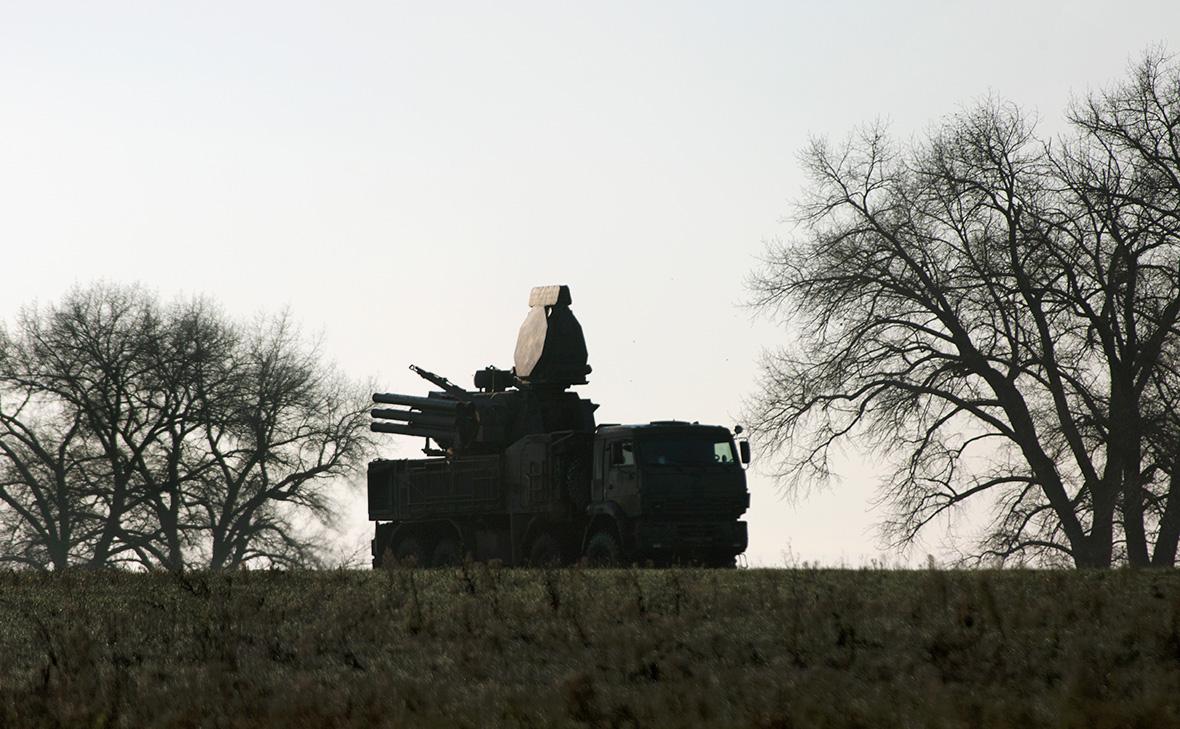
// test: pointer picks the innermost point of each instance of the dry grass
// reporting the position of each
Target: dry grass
(482, 647)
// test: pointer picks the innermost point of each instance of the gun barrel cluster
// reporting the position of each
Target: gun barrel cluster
(424, 417)
(423, 403)
(436, 434)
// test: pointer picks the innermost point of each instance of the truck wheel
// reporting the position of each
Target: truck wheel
(603, 550)
(410, 552)
(446, 553)
(381, 548)
(384, 559)
(545, 551)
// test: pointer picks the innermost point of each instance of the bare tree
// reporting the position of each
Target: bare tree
(289, 428)
(89, 355)
(166, 437)
(999, 315)
(45, 516)
(1123, 176)
(192, 346)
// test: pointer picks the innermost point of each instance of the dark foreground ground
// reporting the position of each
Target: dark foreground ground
(482, 647)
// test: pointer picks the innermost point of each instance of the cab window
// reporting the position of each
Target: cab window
(723, 452)
(622, 453)
(671, 450)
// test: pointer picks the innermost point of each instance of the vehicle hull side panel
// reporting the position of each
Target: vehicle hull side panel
(435, 488)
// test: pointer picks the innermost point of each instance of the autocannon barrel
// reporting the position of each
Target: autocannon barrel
(396, 428)
(449, 387)
(429, 420)
(437, 404)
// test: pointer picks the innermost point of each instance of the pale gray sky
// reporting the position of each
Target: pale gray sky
(400, 174)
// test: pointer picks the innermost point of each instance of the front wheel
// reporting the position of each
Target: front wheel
(603, 550)
(446, 553)
(545, 551)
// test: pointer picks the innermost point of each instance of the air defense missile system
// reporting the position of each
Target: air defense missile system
(518, 471)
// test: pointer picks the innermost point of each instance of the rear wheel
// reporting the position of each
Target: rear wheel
(603, 550)
(410, 551)
(446, 553)
(545, 551)
(382, 550)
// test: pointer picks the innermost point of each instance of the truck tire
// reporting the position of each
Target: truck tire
(446, 553)
(603, 550)
(410, 552)
(545, 551)
(382, 549)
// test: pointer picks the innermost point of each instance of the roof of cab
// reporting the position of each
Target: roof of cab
(657, 426)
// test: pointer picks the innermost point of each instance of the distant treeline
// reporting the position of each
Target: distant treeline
(166, 435)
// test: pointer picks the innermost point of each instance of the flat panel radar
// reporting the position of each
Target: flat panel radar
(550, 347)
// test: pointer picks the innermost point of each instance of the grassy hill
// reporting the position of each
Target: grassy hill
(482, 646)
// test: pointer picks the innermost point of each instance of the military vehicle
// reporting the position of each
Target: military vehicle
(518, 471)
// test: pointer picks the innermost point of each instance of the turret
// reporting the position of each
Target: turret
(507, 405)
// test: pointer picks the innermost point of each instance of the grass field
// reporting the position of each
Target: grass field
(482, 646)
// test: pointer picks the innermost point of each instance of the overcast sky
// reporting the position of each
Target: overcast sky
(399, 175)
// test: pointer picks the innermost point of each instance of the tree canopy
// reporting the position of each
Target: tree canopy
(167, 436)
(997, 313)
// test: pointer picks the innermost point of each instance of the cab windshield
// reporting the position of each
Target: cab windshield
(672, 451)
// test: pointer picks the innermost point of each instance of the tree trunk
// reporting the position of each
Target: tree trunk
(1099, 549)
(1169, 529)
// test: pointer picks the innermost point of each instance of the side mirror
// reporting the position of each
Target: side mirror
(744, 449)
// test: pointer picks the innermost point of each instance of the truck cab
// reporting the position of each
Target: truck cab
(667, 491)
